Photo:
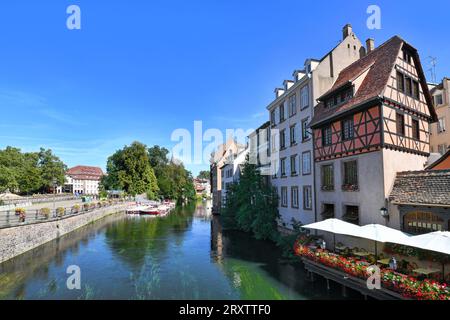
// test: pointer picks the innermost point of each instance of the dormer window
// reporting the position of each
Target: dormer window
(339, 98)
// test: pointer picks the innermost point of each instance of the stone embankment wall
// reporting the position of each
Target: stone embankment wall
(17, 240)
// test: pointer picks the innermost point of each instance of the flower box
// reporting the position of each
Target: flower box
(408, 286)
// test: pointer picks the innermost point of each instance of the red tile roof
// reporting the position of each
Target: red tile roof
(85, 173)
(379, 64)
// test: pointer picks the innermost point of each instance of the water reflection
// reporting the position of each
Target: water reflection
(185, 255)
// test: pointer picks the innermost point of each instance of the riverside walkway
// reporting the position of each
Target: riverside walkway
(53, 211)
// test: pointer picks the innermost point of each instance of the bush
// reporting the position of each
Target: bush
(45, 212)
(60, 211)
(86, 206)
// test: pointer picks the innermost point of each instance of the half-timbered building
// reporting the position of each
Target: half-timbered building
(372, 123)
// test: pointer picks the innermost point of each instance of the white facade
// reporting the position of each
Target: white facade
(82, 186)
(292, 161)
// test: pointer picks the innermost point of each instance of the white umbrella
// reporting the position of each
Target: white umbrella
(335, 226)
(438, 241)
(380, 233)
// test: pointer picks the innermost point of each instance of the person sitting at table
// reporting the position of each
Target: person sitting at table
(393, 264)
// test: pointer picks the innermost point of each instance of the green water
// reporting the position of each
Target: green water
(185, 255)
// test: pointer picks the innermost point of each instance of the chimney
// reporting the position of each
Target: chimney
(347, 30)
(278, 92)
(370, 45)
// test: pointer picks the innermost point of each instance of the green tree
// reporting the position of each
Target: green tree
(129, 169)
(204, 174)
(252, 205)
(30, 180)
(51, 168)
(174, 181)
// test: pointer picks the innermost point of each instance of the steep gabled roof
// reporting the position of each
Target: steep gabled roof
(378, 64)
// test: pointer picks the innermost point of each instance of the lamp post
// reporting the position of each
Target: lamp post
(55, 181)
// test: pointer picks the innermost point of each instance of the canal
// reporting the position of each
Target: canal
(185, 255)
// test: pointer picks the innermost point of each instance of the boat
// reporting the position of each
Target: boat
(152, 211)
(136, 209)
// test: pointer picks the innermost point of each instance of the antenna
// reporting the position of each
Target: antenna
(433, 63)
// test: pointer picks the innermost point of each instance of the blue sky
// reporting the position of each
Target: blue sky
(137, 70)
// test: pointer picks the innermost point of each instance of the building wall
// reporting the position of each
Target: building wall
(369, 198)
(320, 79)
(443, 113)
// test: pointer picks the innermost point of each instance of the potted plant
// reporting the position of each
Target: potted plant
(22, 214)
(86, 206)
(19, 211)
(45, 212)
(60, 211)
(76, 208)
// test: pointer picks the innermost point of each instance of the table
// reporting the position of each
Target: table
(384, 261)
(362, 254)
(426, 271)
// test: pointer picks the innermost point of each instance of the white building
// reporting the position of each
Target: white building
(231, 171)
(83, 180)
(291, 142)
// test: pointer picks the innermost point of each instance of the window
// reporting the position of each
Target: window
(274, 142)
(415, 129)
(305, 134)
(307, 198)
(292, 105)
(274, 167)
(304, 97)
(281, 112)
(441, 125)
(284, 200)
(272, 118)
(283, 167)
(438, 100)
(350, 181)
(415, 92)
(407, 56)
(422, 222)
(293, 165)
(340, 98)
(294, 197)
(327, 211)
(306, 163)
(283, 139)
(400, 120)
(442, 148)
(400, 82)
(408, 86)
(327, 177)
(293, 135)
(326, 136)
(351, 214)
(347, 129)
